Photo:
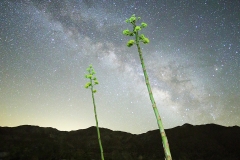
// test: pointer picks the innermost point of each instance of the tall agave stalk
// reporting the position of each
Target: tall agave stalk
(93, 81)
(138, 39)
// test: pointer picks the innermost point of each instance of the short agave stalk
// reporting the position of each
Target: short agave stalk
(143, 39)
(93, 81)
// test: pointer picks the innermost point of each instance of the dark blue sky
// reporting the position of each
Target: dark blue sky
(192, 61)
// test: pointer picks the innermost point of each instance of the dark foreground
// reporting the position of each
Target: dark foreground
(187, 142)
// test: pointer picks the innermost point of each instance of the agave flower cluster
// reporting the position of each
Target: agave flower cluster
(133, 19)
(93, 80)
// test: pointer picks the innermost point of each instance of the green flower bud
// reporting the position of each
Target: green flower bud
(94, 78)
(96, 82)
(94, 91)
(145, 40)
(127, 21)
(126, 32)
(131, 34)
(137, 28)
(89, 76)
(90, 66)
(130, 43)
(93, 72)
(141, 37)
(87, 84)
(132, 19)
(143, 25)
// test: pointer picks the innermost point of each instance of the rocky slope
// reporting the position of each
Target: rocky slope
(187, 142)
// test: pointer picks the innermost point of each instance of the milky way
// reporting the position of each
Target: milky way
(192, 61)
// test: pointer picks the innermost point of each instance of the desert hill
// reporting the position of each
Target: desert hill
(187, 142)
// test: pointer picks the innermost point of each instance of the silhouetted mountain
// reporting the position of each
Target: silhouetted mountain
(187, 142)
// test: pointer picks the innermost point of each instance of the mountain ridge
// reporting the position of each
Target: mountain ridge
(209, 141)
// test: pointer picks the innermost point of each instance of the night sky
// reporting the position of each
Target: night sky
(193, 63)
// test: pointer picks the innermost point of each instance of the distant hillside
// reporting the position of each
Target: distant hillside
(187, 142)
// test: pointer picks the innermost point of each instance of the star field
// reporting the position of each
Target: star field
(192, 61)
